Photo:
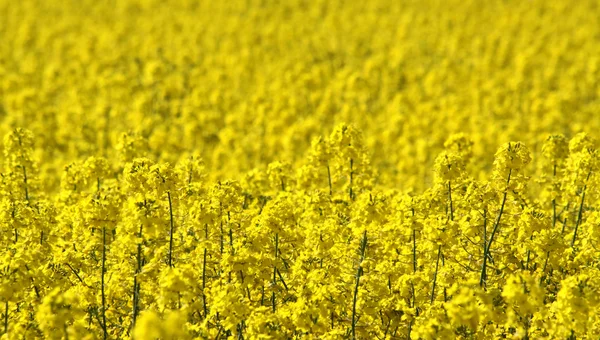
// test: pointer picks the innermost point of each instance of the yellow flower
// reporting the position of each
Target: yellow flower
(581, 142)
(448, 166)
(461, 144)
(555, 148)
(151, 326)
(250, 169)
(512, 155)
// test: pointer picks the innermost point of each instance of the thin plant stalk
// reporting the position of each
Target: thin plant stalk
(204, 273)
(437, 264)
(412, 284)
(580, 212)
(136, 285)
(439, 253)
(351, 193)
(329, 180)
(553, 226)
(359, 272)
(26, 186)
(488, 246)
(171, 230)
(104, 330)
(25, 183)
(5, 316)
(275, 272)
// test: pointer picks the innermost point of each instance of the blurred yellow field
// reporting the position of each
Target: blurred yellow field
(261, 169)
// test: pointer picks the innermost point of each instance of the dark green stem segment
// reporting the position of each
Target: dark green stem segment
(136, 285)
(435, 274)
(6, 317)
(359, 272)
(204, 284)
(104, 330)
(488, 245)
(25, 184)
(439, 252)
(484, 229)
(580, 212)
(350, 191)
(171, 231)
(329, 180)
(24, 175)
(414, 262)
(554, 200)
(528, 255)
(275, 272)
(554, 217)
(221, 239)
(204, 273)
(414, 252)
(450, 201)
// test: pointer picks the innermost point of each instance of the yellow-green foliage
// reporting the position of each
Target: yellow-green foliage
(323, 169)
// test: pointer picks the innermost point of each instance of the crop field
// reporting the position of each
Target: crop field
(299, 169)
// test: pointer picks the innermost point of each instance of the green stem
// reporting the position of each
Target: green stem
(553, 226)
(105, 332)
(580, 213)
(359, 272)
(414, 261)
(329, 180)
(204, 273)
(435, 274)
(486, 252)
(528, 255)
(136, 285)
(24, 175)
(351, 193)
(484, 229)
(439, 254)
(25, 183)
(275, 272)
(221, 240)
(450, 201)
(6, 317)
(171, 231)
(414, 250)
(230, 233)
(554, 200)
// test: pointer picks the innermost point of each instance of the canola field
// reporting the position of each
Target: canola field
(299, 169)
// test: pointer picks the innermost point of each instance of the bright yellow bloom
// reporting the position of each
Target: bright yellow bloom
(323, 169)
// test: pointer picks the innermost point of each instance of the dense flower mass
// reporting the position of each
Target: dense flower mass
(295, 169)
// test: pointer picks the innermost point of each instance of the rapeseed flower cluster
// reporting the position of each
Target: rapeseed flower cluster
(318, 169)
(159, 251)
